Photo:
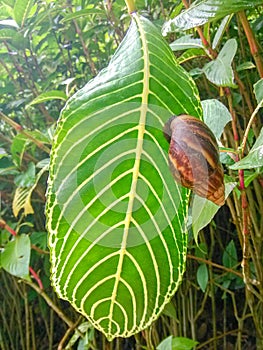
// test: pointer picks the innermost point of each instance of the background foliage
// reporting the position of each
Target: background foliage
(48, 50)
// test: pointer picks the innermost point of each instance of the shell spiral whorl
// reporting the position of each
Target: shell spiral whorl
(194, 157)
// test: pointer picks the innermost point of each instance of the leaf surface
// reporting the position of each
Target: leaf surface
(47, 96)
(22, 9)
(258, 90)
(203, 11)
(15, 256)
(115, 216)
(216, 116)
(219, 71)
(254, 159)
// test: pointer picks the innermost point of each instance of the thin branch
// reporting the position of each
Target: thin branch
(208, 262)
(253, 45)
(249, 126)
(50, 303)
(21, 130)
(66, 335)
(131, 6)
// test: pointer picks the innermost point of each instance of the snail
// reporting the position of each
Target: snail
(194, 157)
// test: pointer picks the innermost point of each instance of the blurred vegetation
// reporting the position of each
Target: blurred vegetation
(48, 50)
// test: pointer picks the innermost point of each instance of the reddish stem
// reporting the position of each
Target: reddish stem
(241, 179)
(36, 277)
(6, 227)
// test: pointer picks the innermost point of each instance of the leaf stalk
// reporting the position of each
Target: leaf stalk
(131, 6)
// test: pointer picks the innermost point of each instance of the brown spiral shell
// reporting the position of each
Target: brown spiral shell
(194, 157)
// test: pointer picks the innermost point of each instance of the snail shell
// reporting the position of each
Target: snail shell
(194, 157)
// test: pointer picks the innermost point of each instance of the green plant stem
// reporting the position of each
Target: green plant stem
(220, 336)
(233, 115)
(87, 55)
(113, 21)
(40, 251)
(253, 45)
(85, 49)
(210, 263)
(36, 277)
(33, 336)
(67, 63)
(206, 44)
(249, 126)
(20, 129)
(131, 6)
(66, 335)
(50, 303)
(29, 83)
(26, 155)
(26, 308)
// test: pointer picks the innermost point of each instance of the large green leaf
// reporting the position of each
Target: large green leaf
(115, 216)
(203, 11)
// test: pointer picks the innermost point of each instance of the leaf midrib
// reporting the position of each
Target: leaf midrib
(136, 168)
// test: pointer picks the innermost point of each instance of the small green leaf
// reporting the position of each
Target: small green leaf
(18, 148)
(225, 158)
(27, 178)
(20, 42)
(201, 250)
(204, 210)
(7, 34)
(87, 330)
(83, 13)
(166, 344)
(170, 310)
(220, 31)
(216, 116)
(202, 276)
(186, 42)
(177, 343)
(47, 96)
(189, 55)
(181, 343)
(44, 163)
(3, 153)
(219, 71)
(230, 255)
(40, 136)
(258, 90)
(22, 198)
(39, 239)
(9, 23)
(250, 177)
(15, 256)
(21, 11)
(254, 159)
(7, 167)
(245, 66)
